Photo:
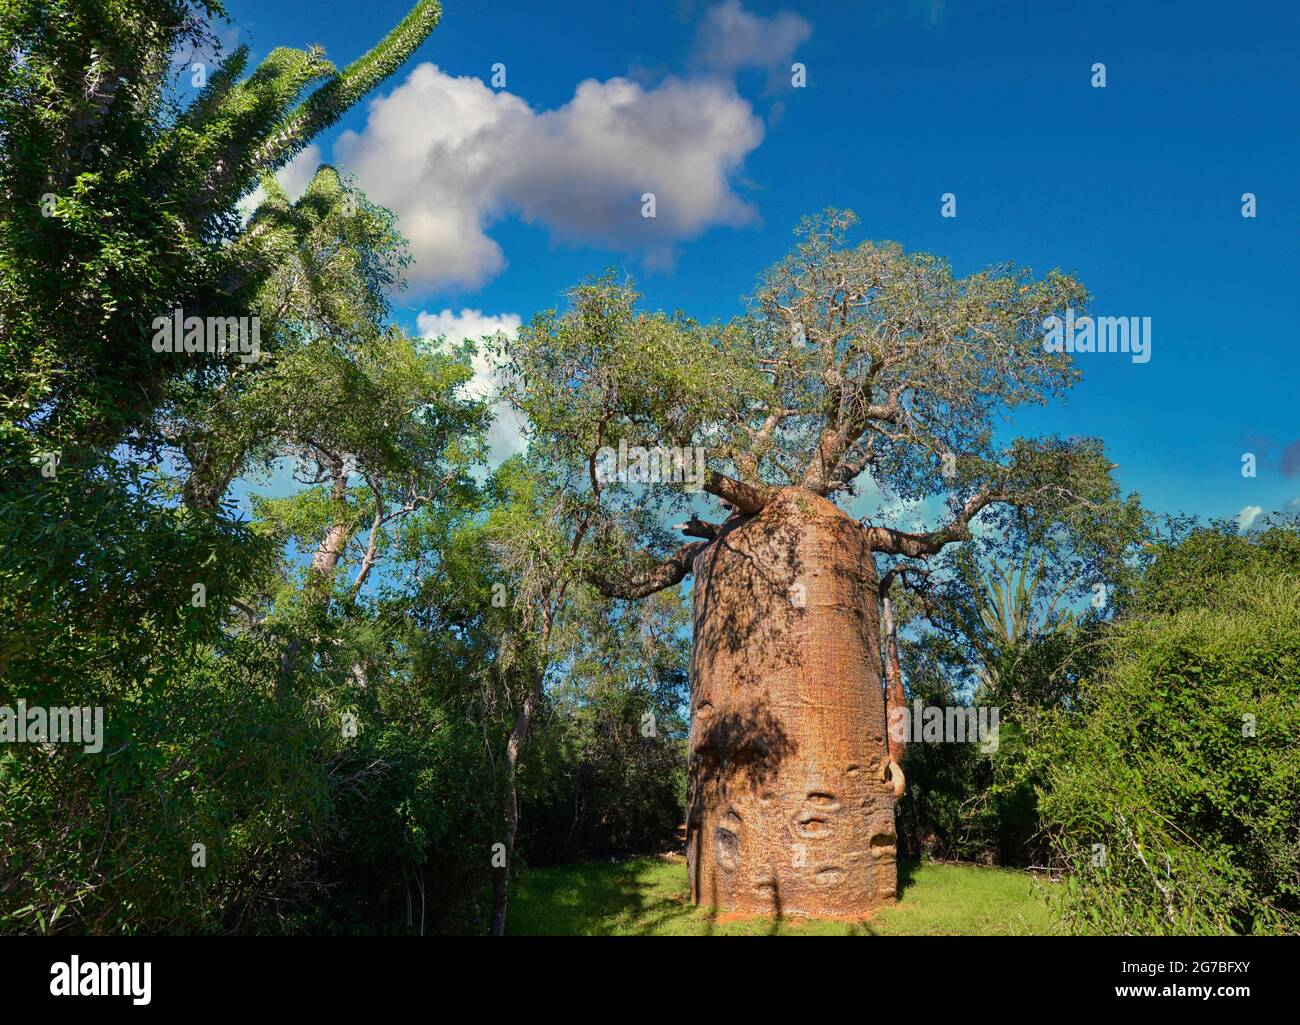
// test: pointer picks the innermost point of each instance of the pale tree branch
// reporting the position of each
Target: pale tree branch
(382, 518)
(829, 468)
(372, 543)
(759, 439)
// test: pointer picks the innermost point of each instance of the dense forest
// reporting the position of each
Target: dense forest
(375, 704)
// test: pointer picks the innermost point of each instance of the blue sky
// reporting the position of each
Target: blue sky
(511, 195)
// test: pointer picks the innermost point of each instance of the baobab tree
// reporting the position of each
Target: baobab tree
(854, 365)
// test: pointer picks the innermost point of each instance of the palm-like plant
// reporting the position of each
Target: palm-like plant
(1010, 612)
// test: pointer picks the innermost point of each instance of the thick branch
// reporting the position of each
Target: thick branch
(899, 542)
(673, 570)
(696, 527)
(828, 468)
(340, 529)
(747, 499)
(759, 439)
(887, 581)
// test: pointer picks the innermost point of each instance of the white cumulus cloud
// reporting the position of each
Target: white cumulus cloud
(506, 436)
(1248, 516)
(452, 157)
(731, 39)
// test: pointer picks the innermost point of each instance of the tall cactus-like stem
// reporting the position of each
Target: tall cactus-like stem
(328, 103)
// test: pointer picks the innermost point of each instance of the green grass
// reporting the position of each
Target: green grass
(649, 896)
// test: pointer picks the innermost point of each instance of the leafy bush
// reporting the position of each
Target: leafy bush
(1184, 767)
(597, 784)
(968, 804)
(104, 842)
(1187, 574)
(415, 817)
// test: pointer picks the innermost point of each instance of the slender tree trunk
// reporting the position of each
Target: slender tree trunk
(204, 487)
(325, 560)
(515, 745)
(500, 897)
(320, 575)
(788, 808)
(501, 881)
(894, 697)
(339, 532)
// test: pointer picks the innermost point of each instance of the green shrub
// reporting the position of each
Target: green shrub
(103, 843)
(1189, 573)
(596, 784)
(1174, 792)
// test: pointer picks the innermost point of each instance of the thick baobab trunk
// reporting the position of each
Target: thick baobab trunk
(788, 809)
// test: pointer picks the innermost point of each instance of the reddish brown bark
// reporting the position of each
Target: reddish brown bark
(788, 808)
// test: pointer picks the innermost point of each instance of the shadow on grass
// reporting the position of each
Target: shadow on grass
(906, 879)
(643, 896)
(906, 875)
(632, 897)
